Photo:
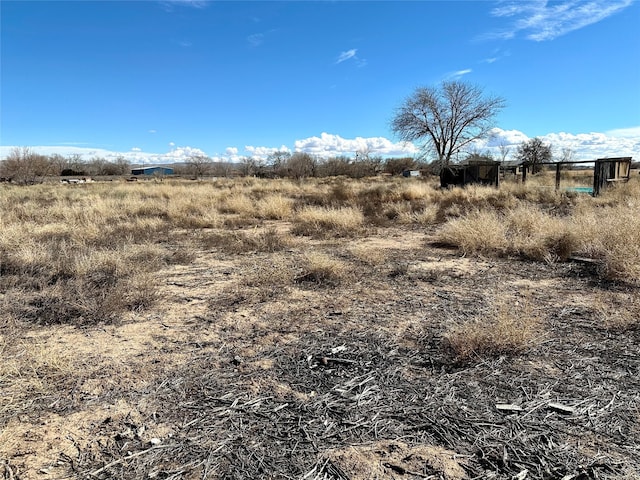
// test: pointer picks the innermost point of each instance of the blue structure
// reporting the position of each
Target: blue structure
(152, 171)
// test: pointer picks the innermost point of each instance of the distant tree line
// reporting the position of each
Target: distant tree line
(25, 167)
(299, 165)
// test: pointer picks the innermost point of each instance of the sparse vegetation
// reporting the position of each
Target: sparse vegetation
(223, 318)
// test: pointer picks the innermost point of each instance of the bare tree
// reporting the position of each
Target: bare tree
(199, 165)
(504, 150)
(251, 166)
(301, 165)
(534, 152)
(567, 155)
(448, 118)
(25, 167)
(395, 166)
(276, 162)
(334, 167)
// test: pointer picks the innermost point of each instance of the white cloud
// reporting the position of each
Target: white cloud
(182, 153)
(135, 155)
(344, 56)
(541, 20)
(585, 146)
(328, 145)
(263, 152)
(152, 131)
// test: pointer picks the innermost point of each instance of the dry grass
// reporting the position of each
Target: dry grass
(275, 207)
(369, 255)
(269, 240)
(605, 229)
(617, 312)
(505, 329)
(322, 269)
(356, 298)
(328, 222)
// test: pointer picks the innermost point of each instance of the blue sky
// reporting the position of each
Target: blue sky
(159, 80)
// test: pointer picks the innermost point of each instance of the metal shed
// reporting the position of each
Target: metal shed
(152, 171)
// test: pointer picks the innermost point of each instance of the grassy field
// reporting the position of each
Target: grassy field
(333, 328)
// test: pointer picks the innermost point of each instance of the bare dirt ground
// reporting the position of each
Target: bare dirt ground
(353, 379)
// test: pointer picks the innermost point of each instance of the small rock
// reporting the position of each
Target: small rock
(155, 441)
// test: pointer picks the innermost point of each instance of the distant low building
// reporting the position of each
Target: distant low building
(158, 171)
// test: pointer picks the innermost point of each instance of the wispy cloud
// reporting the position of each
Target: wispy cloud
(631, 132)
(169, 4)
(542, 20)
(344, 56)
(459, 74)
(256, 39)
(351, 55)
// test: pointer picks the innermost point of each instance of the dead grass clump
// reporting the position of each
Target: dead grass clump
(237, 203)
(372, 200)
(611, 235)
(342, 193)
(618, 313)
(327, 222)
(30, 369)
(424, 216)
(478, 232)
(526, 232)
(321, 269)
(538, 235)
(64, 282)
(279, 271)
(99, 298)
(394, 460)
(504, 330)
(369, 255)
(275, 207)
(457, 202)
(269, 240)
